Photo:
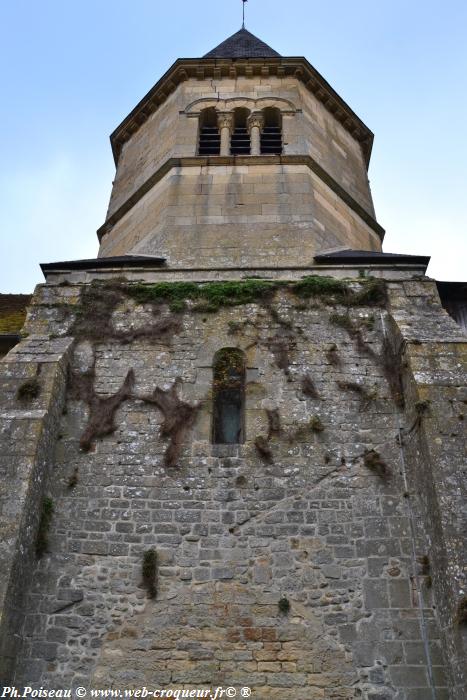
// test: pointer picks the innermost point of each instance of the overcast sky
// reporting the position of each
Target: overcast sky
(72, 69)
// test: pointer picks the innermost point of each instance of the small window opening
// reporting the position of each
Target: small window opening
(228, 397)
(209, 137)
(271, 135)
(240, 140)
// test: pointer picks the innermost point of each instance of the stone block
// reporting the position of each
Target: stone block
(45, 650)
(409, 677)
(94, 547)
(399, 593)
(391, 652)
(375, 594)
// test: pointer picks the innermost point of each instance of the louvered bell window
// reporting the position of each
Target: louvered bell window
(240, 144)
(271, 135)
(209, 136)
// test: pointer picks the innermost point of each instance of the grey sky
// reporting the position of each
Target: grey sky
(72, 70)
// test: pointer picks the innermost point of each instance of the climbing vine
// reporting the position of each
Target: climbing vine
(94, 322)
(149, 572)
(168, 301)
(229, 369)
(178, 415)
(102, 411)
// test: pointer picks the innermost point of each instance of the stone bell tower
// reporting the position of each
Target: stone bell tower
(238, 159)
(232, 445)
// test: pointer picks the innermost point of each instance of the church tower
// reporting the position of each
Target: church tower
(239, 159)
(232, 445)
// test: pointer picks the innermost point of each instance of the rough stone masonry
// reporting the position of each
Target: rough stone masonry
(321, 557)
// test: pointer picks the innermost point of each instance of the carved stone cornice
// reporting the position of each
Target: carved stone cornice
(205, 68)
(203, 161)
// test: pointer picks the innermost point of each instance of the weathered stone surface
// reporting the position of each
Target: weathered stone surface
(315, 525)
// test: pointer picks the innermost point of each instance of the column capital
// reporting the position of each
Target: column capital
(256, 119)
(225, 120)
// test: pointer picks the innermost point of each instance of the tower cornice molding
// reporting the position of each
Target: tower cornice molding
(205, 68)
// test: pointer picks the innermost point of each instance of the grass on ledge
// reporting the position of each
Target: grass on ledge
(211, 296)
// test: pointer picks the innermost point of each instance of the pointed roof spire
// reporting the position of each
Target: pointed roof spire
(242, 44)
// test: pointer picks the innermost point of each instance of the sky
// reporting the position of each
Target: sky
(71, 70)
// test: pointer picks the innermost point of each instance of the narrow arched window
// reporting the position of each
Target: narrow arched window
(228, 397)
(271, 135)
(209, 137)
(240, 144)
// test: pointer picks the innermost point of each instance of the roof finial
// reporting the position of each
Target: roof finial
(243, 23)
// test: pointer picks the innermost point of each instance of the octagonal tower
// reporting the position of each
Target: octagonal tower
(242, 158)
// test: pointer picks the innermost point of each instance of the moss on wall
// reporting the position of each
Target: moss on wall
(13, 312)
(211, 296)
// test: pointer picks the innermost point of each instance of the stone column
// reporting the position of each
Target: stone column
(225, 124)
(255, 125)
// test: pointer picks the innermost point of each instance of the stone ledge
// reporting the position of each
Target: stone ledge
(396, 273)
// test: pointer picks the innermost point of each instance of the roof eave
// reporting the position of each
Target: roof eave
(10, 337)
(102, 264)
(378, 260)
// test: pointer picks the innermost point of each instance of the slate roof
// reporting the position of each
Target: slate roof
(242, 44)
(102, 263)
(358, 257)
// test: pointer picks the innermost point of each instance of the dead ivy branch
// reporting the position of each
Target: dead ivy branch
(274, 422)
(102, 411)
(94, 317)
(263, 449)
(308, 387)
(179, 417)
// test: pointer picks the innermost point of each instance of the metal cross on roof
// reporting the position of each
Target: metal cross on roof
(243, 5)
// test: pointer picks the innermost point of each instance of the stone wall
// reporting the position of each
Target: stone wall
(343, 536)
